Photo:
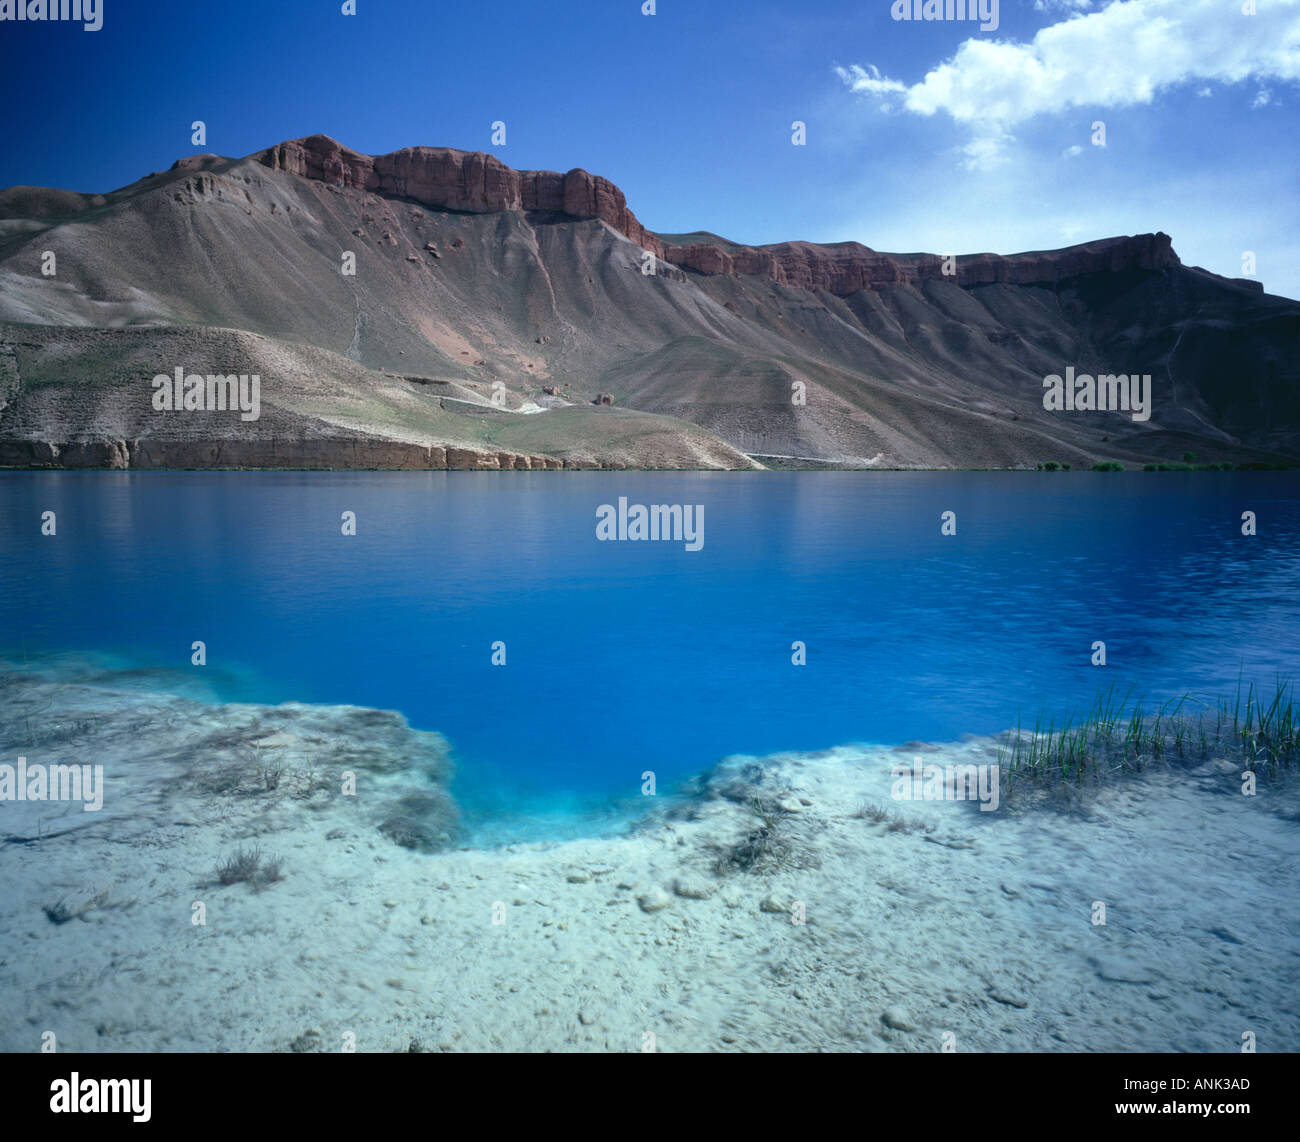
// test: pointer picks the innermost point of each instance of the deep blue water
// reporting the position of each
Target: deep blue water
(630, 656)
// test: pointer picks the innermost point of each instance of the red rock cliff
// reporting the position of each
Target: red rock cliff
(847, 267)
(480, 183)
(460, 180)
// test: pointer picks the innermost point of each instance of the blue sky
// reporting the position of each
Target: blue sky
(921, 135)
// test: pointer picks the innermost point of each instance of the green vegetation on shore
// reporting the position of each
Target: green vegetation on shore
(1119, 736)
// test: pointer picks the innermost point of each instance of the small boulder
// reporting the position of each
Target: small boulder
(896, 1018)
(692, 887)
(654, 900)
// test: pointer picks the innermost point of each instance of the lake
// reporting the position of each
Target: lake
(622, 656)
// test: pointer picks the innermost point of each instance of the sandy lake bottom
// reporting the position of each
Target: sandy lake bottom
(777, 903)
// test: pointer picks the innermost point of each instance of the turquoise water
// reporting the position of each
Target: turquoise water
(627, 656)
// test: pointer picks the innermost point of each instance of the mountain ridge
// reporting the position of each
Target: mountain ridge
(484, 295)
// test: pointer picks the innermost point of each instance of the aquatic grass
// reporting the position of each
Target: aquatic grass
(249, 866)
(879, 815)
(425, 822)
(64, 909)
(309, 779)
(1120, 735)
(764, 849)
(242, 866)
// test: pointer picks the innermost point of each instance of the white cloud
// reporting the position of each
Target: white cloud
(869, 81)
(1072, 152)
(1263, 99)
(1118, 56)
(986, 151)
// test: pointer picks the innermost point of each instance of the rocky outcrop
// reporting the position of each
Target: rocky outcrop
(848, 267)
(75, 454)
(269, 452)
(841, 269)
(471, 181)
(1109, 255)
(480, 183)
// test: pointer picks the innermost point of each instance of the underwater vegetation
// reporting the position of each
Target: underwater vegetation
(249, 866)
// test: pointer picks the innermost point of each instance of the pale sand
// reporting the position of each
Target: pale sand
(980, 927)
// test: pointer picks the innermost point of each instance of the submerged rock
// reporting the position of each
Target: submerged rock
(654, 900)
(693, 887)
(897, 1018)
